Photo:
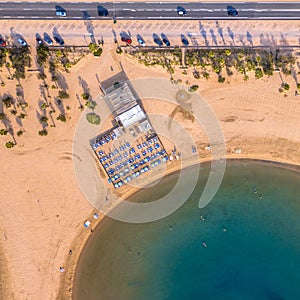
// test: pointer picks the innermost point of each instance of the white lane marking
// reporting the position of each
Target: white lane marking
(7, 17)
(27, 9)
(20, 17)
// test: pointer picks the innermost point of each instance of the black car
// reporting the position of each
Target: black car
(165, 40)
(181, 11)
(232, 11)
(102, 11)
(59, 40)
(158, 42)
(39, 41)
(47, 39)
(184, 40)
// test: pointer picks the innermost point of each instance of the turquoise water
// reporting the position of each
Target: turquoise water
(252, 239)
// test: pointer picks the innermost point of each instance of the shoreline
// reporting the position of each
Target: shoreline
(73, 264)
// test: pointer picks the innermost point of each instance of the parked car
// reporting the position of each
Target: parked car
(40, 41)
(102, 11)
(184, 40)
(181, 11)
(158, 42)
(141, 41)
(61, 13)
(59, 40)
(166, 42)
(232, 11)
(22, 42)
(2, 42)
(126, 39)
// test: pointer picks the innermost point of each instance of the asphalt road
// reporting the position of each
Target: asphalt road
(151, 10)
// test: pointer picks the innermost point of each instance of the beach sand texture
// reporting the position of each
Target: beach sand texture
(43, 210)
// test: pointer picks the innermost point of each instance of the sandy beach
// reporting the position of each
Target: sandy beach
(43, 209)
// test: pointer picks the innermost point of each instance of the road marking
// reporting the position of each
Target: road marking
(26, 8)
(7, 17)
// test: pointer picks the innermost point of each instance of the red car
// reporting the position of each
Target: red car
(126, 40)
(2, 42)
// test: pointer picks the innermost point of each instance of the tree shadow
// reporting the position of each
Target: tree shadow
(60, 106)
(283, 41)
(84, 85)
(231, 34)
(213, 36)
(220, 32)
(203, 34)
(249, 38)
(193, 39)
(61, 81)
(90, 29)
(7, 124)
(241, 39)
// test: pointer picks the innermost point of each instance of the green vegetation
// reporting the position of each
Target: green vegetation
(44, 106)
(20, 132)
(193, 88)
(95, 49)
(43, 132)
(3, 132)
(10, 144)
(91, 104)
(63, 94)
(85, 96)
(286, 86)
(8, 101)
(20, 59)
(258, 73)
(93, 118)
(42, 52)
(44, 119)
(61, 118)
(21, 116)
(220, 61)
(119, 50)
(2, 115)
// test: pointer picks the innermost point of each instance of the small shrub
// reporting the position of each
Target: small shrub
(44, 119)
(61, 118)
(3, 132)
(119, 50)
(43, 132)
(20, 132)
(91, 104)
(221, 79)
(10, 144)
(63, 94)
(258, 73)
(85, 96)
(193, 88)
(13, 112)
(286, 86)
(8, 101)
(93, 118)
(21, 116)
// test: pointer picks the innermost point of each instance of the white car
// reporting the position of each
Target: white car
(61, 13)
(141, 42)
(22, 42)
